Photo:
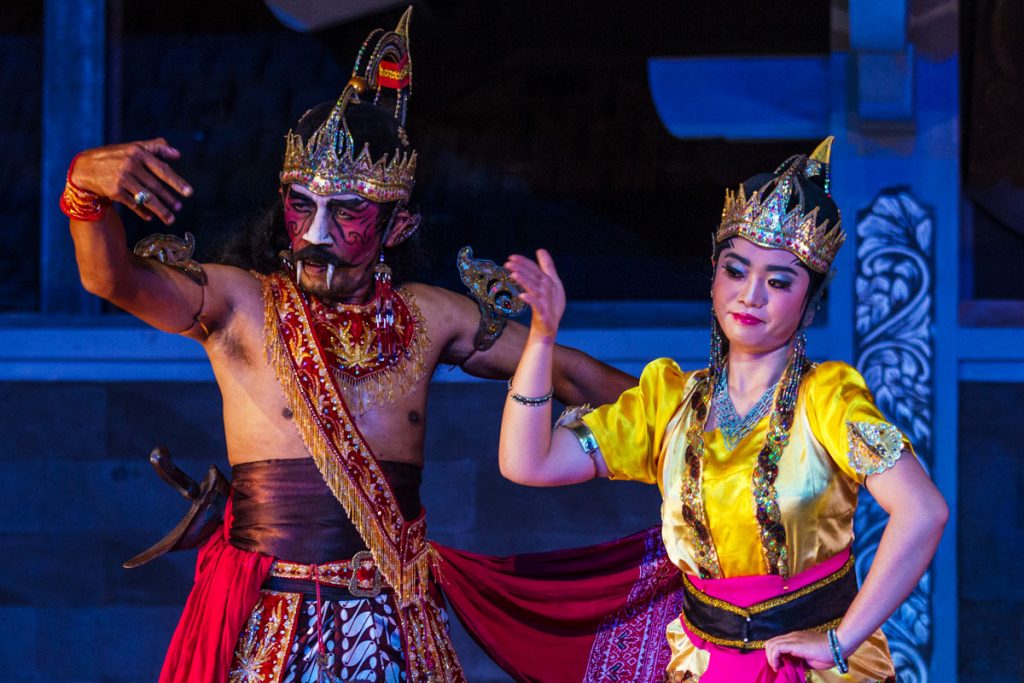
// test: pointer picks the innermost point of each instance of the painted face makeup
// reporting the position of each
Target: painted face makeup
(758, 295)
(334, 239)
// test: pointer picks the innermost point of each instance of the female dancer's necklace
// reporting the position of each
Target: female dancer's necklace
(733, 427)
(769, 516)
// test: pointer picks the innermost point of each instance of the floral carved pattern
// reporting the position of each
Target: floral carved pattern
(894, 350)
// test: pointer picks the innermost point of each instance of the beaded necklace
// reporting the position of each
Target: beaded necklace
(769, 518)
(733, 427)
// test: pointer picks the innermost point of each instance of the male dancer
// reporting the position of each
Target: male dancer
(322, 570)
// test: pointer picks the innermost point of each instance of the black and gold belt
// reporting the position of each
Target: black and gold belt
(818, 606)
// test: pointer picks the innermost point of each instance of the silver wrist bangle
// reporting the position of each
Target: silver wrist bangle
(531, 401)
(837, 652)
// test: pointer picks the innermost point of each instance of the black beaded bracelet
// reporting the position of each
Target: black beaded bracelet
(532, 401)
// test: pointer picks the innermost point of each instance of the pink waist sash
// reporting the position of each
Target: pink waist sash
(738, 598)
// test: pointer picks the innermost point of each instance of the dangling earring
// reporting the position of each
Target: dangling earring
(799, 355)
(716, 361)
(384, 319)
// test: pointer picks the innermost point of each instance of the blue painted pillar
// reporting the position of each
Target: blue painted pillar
(74, 93)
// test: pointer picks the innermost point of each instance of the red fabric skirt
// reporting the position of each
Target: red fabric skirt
(227, 587)
(588, 614)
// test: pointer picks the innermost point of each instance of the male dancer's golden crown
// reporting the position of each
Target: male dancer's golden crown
(762, 218)
(329, 163)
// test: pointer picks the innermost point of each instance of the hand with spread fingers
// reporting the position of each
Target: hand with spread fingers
(542, 290)
(136, 174)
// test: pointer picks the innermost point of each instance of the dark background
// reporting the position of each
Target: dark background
(532, 120)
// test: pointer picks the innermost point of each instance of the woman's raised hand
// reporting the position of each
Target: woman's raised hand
(135, 174)
(542, 290)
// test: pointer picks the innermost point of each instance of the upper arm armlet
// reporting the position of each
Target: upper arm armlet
(571, 420)
(495, 293)
(176, 252)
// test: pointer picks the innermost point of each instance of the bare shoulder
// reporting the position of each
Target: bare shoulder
(451, 319)
(235, 286)
(232, 280)
(443, 308)
(231, 293)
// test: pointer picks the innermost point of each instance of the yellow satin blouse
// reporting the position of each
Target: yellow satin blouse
(837, 439)
(831, 450)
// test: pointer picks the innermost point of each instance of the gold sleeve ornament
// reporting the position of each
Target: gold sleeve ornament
(874, 446)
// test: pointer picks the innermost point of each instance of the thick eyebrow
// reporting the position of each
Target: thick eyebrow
(771, 269)
(353, 204)
(292, 194)
(739, 258)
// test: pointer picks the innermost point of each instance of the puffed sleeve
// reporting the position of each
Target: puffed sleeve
(846, 421)
(630, 431)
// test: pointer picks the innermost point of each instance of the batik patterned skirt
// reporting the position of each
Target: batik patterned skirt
(294, 638)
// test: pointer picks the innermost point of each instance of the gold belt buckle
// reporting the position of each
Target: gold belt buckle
(366, 580)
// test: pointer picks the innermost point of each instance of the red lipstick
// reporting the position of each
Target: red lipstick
(744, 319)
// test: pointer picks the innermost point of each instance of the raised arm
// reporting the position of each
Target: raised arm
(137, 175)
(527, 451)
(577, 377)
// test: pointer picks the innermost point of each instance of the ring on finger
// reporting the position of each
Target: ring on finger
(141, 197)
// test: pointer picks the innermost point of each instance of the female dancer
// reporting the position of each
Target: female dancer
(758, 457)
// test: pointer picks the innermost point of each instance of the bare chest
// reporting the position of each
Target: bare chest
(387, 402)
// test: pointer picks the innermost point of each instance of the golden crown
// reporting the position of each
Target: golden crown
(329, 163)
(762, 218)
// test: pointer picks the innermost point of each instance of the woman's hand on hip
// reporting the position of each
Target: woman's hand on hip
(810, 646)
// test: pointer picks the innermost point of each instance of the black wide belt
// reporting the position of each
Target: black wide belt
(816, 607)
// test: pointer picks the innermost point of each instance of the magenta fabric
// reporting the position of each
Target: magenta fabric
(227, 587)
(588, 614)
(728, 665)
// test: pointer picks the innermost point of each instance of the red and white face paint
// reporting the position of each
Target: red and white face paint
(334, 240)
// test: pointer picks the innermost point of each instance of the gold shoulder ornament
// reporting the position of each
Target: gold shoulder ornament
(495, 292)
(175, 252)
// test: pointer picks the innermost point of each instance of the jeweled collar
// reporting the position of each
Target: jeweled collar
(371, 371)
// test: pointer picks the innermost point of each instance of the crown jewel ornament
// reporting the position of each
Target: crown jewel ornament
(328, 163)
(762, 217)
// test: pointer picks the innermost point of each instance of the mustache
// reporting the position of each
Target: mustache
(318, 254)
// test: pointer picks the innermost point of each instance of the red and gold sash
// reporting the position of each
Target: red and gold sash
(350, 470)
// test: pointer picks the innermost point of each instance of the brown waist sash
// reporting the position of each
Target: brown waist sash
(282, 508)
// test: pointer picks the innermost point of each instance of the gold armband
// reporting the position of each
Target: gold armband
(572, 419)
(495, 292)
(175, 252)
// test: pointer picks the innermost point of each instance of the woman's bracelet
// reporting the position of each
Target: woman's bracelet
(837, 652)
(79, 203)
(532, 401)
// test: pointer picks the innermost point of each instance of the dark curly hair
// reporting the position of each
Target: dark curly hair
(259, 244)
